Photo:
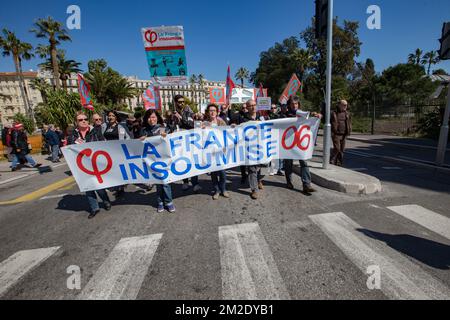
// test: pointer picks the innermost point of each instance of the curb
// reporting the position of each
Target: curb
(332, 178)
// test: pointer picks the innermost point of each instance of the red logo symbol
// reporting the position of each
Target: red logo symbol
(298, 137)
(151, 36)
(95, 171)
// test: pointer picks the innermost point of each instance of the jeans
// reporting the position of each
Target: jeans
(219, 180)
(194, 180)
(55, 153)
(164, 194)
(254, 176)
(304, 171)
(15, 160)
(92, 198)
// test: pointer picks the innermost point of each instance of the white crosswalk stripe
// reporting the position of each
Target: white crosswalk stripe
(248, 269)
(13, 269)
(121, 275)
(400, 278)
(424, 217)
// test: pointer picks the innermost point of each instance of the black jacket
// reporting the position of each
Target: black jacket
(151, 131)
(94, 134)
(19, 140)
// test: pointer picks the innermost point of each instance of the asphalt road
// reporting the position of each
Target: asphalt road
(284, 245)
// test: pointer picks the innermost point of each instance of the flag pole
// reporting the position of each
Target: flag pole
(327, 127)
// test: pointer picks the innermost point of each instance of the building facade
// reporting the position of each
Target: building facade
(11, 101)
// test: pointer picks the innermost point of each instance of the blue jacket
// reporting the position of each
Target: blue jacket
(52, 138)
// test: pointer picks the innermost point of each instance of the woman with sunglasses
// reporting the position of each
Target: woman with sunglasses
(219, 178)
(114, 130)
(153, 125)
(82, 133)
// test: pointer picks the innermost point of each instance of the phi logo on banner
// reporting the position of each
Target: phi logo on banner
(95, 170)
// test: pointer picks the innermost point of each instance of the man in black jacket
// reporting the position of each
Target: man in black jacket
(19, 144)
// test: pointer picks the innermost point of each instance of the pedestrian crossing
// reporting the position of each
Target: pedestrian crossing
(248, 269)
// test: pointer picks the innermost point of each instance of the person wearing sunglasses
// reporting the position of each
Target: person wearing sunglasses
(83, 133)
(185, 119)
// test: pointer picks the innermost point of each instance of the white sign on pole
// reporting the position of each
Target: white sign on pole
(263, 103)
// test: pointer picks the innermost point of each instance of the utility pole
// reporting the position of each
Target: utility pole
(444, 54)
(324, 24)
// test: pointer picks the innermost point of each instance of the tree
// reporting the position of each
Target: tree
(241, 75)
(41, 85)
(107, 86)
(440, 72)
(10, 45)
(416, 57)
(303, 61)
(55, 33)
(430, 58)
(66, 68)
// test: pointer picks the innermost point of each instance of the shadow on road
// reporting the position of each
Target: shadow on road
(431, 253)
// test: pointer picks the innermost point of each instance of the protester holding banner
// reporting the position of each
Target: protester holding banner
(81, 134)
(219, 178)
(153, 125)
(185, 119)
(113, 130)
(294, 111)
(252, 172)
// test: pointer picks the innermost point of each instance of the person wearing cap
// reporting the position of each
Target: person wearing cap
(19, 144)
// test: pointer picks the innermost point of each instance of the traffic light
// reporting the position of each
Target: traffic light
(321, 19)
(444, 52)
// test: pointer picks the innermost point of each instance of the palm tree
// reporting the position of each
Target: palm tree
(192, 82)
(241, 75)
(430, 58)
(416, 57)
(19, 50)
(302, 60)
(54, 32)
(120, 89)
(41, 85)
(66, 68)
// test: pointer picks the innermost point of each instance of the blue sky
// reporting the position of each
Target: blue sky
(218, 33)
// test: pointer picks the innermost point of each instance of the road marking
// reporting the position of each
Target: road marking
(121, 275)
(358, 153)
(13, 269)
(54, 196)
(41, 192)
(431, 220)
(391, 168)
(68, 187)
(14, 178)
(400, 277)
(248, 269)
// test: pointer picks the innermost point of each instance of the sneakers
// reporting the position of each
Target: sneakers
(160, 208)
(107, 206)
(37, 165)
(280, 173)
(215, 196)
(93, 214)
(171, 208)
(290, 186)
(226, 194)
(13, 169)
(254, 195)
(185, 186)
(260, 185)
(271, 173)
(197, 188)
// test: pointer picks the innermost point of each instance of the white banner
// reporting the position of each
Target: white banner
(184, 154)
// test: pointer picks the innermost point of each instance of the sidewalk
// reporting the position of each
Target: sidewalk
(338, 178)
(8, 176)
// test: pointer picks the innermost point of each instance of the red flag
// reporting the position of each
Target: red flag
(229, 86)
(151, 98)
(291, 89)
(84, 89)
